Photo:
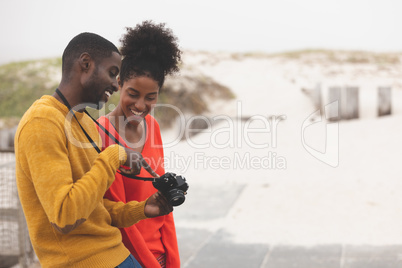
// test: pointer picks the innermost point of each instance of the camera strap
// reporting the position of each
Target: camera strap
(117, 141)
(71, 111)
(104, 130)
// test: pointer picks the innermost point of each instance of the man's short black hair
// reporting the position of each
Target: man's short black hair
(95, 45)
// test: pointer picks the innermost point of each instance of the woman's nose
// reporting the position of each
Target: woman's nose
(140, 104)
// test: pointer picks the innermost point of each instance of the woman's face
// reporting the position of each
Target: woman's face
(138, 97)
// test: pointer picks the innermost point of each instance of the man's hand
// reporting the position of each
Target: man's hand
(135, 161)
(157, 205)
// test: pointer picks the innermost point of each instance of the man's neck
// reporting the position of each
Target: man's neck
(71, 97)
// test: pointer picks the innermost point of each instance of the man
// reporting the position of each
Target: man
(61, 173)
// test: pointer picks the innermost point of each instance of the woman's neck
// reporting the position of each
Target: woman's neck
(132, 134)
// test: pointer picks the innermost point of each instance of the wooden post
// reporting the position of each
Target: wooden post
(350, 109)
(334, 94)
(3, 139)
(384, 101)
(7, 139)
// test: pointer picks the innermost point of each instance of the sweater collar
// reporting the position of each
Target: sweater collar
(62, 106)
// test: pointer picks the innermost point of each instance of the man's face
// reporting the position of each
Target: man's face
(102, 82)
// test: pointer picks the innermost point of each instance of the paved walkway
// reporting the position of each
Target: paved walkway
(205, 247)
(217, 251)
(205, 242)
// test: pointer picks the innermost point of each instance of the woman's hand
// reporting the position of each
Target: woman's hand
(157, 205)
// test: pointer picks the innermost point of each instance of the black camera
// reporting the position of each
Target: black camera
(172, 187)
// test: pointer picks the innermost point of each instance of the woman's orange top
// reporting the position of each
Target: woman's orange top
(149, 238)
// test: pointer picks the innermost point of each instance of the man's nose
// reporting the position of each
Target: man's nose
(115, 85)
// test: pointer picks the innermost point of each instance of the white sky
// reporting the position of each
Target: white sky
(32, 29)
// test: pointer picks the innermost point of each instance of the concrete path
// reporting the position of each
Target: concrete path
(203, 246)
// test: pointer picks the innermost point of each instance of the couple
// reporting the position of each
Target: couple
(66, 171)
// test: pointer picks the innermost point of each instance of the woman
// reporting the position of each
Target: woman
(150, 52)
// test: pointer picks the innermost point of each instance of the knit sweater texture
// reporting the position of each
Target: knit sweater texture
(61, 182)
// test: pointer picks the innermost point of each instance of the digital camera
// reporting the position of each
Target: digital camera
(172, 187)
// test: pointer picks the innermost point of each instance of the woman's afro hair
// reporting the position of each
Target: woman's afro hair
(149, 49)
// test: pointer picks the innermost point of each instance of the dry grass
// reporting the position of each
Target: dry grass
(190, 95)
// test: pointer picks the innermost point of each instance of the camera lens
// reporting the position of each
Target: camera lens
(176, 197)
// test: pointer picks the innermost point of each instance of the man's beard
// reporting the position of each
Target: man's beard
(90, 89)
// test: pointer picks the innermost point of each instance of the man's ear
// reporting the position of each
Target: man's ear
(85, 62)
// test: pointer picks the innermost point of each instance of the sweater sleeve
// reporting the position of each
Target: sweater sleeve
(125, 215)
(67, 202)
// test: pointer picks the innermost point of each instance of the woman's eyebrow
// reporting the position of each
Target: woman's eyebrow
(133, 89)
(136, 91)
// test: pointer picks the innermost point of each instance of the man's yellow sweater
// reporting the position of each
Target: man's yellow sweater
(61, 181)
